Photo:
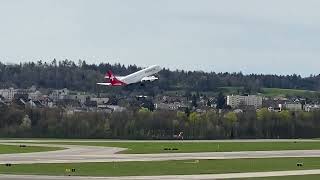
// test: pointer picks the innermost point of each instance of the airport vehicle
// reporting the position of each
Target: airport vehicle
(144, 75)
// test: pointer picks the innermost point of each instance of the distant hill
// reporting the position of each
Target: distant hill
(273, 92)
(81, 76)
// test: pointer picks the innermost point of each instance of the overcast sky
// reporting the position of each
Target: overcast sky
(252, 36)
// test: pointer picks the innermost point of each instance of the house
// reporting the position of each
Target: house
(100, 101)
(237, 111)
(311, 107)
(2, 103)
(8, 94)
(116, 108)
(59, 94)
(35, 96)
(275, 109)
(172, 99)
(170, 106)
(82, 98)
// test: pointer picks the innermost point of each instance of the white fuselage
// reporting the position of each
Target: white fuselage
(140, 75)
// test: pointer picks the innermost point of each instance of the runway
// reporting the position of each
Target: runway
(78, 154)
(170, 177)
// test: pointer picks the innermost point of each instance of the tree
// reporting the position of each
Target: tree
(193, 120)
(194, 101)
(209, 103)
(231, 120)
(26, 123)
(221, 102)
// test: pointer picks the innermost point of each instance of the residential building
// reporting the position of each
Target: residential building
(82, 98)
(170, 106)
(100, 101)
(251, 100)
(59, 94)
(313, 107)
(35, 96)
(8, 94)
(293, 106)
(235, 100)
(116, 108)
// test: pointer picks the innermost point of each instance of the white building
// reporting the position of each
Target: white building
(59, 94)
(293, 106)
(253, 100)
(170, 106)
(116, 108)
(235, 101)
(100, 101)
(8, 94)
(37, 95)
(311, 107)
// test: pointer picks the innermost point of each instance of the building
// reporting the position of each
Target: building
(293, 106)
(170, 106)
(35, 96)
(8, 94)
(59, 94)
(251, 100)
(311, 107)
(116, 108)
(235, 101)
(82, 98)
(100, 101)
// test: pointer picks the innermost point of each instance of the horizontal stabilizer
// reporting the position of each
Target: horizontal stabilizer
(104, 84)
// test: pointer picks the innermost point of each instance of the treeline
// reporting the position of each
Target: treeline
(143, 124)
(83, 77)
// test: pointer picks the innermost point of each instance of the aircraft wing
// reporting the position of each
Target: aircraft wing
(104, 84)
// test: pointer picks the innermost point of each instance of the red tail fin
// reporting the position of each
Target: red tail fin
(113, 79)
(110, 74)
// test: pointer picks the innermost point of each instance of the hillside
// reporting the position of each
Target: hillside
(83, 77)
(273, 92)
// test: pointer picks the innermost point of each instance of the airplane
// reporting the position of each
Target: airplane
(144, 75)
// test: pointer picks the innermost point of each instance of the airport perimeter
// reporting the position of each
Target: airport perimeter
(93, 159)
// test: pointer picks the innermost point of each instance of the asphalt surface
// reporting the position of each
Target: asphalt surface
(170, 177)
(77, 154)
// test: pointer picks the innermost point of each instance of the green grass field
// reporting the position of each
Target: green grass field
(309, 177)
(188, 147)
(285, 92)
(10, 149)
(271, 92)
(165, 167)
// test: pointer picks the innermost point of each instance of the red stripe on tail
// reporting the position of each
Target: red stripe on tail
(113, 79)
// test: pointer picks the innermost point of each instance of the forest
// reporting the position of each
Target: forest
(81, 76)
(143, 124)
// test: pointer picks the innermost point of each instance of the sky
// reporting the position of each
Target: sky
(251, 36)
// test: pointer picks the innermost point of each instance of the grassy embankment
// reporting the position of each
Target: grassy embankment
(11, 149)
(165, 167)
